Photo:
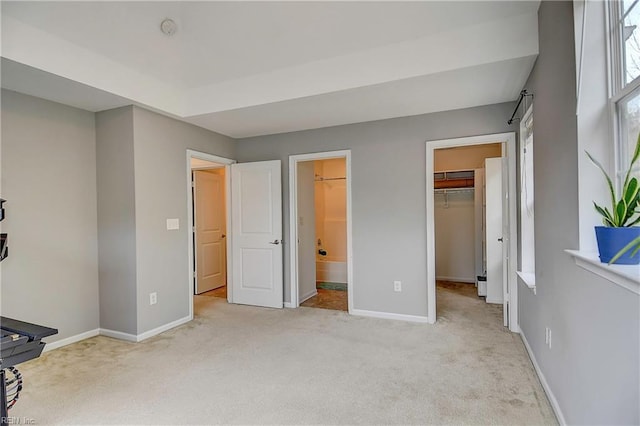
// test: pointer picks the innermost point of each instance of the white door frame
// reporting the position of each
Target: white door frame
(227, 183)
(293, 223)
(509, 151)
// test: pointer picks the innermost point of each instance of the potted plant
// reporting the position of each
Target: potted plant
(619, 232)
(633, 247)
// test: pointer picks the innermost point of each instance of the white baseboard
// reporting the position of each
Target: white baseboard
(69, 340)
(163, 328)
(457, 279)
(543, 380)
(496, 301)
(288, 305)
(118, 335)
(309, 295)
(388, 315)
(114, 334)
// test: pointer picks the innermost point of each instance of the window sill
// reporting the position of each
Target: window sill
(626, 276)
(529, 279)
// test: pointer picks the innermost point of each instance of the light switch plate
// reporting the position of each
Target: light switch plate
(173, 224)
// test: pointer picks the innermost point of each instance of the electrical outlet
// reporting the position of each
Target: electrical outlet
(397, 286)
(153, 298)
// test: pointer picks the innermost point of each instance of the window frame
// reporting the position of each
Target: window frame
(619, 89)
(527, 254)
(605, 89)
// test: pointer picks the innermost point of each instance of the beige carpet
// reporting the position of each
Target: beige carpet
(247, 365)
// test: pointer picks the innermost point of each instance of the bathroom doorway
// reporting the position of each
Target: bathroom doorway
(320, 228)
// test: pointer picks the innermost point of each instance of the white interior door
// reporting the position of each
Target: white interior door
(210, 222)
(494, 229)
(256, 217)
(306, 231)
(505, 242)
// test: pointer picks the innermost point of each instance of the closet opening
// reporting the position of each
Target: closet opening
(468, 219)
(320, 229)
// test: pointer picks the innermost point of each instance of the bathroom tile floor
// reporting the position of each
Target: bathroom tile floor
(328, 299)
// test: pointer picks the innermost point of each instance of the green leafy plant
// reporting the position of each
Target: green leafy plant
(624, 208)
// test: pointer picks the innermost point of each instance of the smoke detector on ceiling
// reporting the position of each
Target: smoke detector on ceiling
(168, 27)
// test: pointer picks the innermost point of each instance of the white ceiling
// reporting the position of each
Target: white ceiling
(252, 68)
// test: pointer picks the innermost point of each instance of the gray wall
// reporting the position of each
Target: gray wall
(160, 145)
(142, 182)
(49, 180)
(388, 194)
(88, 196)
(593, 365)
(116, 220)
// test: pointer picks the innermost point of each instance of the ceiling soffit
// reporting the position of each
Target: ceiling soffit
(421, 58)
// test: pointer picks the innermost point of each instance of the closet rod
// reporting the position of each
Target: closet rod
(321, 179)
(450, 190)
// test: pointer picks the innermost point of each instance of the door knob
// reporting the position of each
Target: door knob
(500, 239)
(223, 236)
(276, 242)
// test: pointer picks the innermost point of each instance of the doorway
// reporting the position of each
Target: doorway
(506, 238)
(208, 217)
(320, 227)
(467, 209)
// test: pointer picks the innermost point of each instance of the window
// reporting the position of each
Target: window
(608, 39)
(527, 242)
(625, 80)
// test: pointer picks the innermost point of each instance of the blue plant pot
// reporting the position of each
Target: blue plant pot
(612, 240)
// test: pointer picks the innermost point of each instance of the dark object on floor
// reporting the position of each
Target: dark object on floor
(331, 286)
(20, 341)
(4, 250)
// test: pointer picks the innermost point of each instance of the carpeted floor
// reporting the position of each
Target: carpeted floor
(246, 365)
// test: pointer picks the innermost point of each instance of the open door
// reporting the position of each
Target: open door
(210, 223)
(505, 243)
(256, 216)
(494, 229)
(306, 224)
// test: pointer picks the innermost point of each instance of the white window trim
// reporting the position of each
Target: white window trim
(528, 277)
(626, 276)
(618, 89)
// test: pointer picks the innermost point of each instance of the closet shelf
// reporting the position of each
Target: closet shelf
(454, 179)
